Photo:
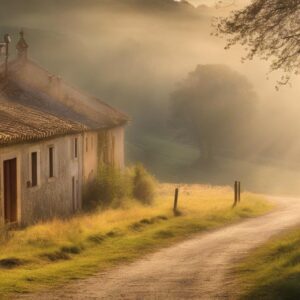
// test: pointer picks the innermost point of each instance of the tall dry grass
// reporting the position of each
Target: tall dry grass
(194, 201)
(60, 250)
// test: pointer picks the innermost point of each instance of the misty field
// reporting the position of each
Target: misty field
(273, 270)
(52, 253)
(113, 37)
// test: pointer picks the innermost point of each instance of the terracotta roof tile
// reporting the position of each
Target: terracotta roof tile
(30, 110)
(19, 123)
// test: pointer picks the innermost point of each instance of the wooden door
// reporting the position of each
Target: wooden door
(10, 190)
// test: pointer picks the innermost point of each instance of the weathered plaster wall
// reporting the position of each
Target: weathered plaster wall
(90, 156)
(111, 147)
(118, 146)
(52, 196)
(106, 146)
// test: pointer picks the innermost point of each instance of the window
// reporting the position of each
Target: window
(75, 147)
(34, 170)
(51, 162)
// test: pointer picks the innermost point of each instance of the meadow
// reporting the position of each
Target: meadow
(48, 254)
(265, 176)
(273, 270)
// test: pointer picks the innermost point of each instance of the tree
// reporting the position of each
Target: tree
(270, 29)
(212, 108)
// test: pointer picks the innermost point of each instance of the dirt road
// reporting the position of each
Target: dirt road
(199, 268)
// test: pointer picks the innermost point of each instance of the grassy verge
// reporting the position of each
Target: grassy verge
(273, 270)
(52, 253)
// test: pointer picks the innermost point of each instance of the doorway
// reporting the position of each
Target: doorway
(10, 190)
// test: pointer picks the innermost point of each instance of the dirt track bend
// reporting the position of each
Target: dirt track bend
(199, 268)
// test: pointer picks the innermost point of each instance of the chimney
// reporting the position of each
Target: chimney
(22, 47)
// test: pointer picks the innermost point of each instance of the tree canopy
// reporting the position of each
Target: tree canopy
(269, 29)
(212, 108)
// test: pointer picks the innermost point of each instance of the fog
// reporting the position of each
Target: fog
(133, 54)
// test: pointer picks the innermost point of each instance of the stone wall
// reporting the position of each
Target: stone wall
(58, 196)
(61, 195)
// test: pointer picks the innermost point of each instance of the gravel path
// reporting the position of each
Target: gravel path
(199, 268)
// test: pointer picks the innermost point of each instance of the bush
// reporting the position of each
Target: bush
(113, 186)
(110, 187)
(143, 185)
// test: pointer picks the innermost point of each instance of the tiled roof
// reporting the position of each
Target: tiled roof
(33, 107)
(19, 123)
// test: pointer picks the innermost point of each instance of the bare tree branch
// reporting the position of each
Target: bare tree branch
(269, 29)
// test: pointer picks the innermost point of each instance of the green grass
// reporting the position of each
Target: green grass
(48, 254)
(273, 270)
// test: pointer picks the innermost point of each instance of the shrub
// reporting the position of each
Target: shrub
(143, 185)
(109, 189)
(112, 186)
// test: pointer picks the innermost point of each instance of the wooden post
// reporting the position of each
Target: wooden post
(235, 194)
(176, 200)
(239, 191)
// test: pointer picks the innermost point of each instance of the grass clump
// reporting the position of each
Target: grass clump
(62, 250)
(145, 222)
(273, 270)
(114, 233)
(164, 234)
(10, 263)
(71, 249)
(143, 185)
(55, 256)
(96, 238)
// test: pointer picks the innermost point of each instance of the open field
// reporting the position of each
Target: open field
(265, 176)
(52, 253)
(273, 270)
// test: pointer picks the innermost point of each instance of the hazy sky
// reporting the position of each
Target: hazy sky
(213, 2)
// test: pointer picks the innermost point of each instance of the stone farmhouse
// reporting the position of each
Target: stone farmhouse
(53, 138)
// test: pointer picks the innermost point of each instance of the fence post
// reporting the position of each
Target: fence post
(239, 190)
(235, 194)
(176, 200)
